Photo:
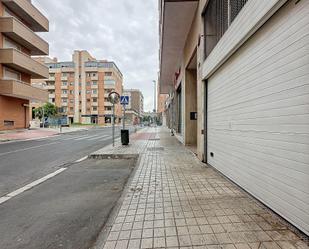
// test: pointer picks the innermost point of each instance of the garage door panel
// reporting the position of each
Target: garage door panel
(283, 46)
(279, 165)
(287, 78)
(298, 148)
(258, 115)
(264, 191)
(300, 108)
(296, 57)
(294, 92)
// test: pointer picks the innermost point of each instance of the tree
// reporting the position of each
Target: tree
(48, 109)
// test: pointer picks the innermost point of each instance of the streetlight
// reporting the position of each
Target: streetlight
(155, 101)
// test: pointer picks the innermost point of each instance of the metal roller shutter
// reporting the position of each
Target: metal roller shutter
(258, 115)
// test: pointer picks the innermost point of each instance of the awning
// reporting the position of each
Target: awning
(176, 20)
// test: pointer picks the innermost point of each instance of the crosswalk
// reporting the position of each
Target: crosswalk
(83, 138)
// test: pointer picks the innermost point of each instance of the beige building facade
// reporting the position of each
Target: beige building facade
(236, 72)
(19, 20)
(135, 108)
(80, 88)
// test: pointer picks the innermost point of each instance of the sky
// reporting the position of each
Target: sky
(122, 31)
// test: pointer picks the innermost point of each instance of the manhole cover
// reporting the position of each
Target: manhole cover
(155, 149)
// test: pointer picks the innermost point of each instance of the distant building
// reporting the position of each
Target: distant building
(135, 109)
(19, 20)
(161, 106)
(80, 88)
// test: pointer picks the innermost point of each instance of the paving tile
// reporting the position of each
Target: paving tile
(134, 244)
(172, 241)
(147, 243)
(182, 203)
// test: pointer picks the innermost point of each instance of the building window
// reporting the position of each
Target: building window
(88, 84)
(71, 83)
(94, 108)
(106, 100)
(108, 73)
(71, 91)
(64, 92)
(64, 83)
(71, 109)
(94, 83)
(94, 100)
(107, 108)
(8, 123)
(94, 91)
(88, 100)
(71, 100)
(64, 100)
(64, 74)
(11, 74)
(88, 92)
(218, 16)
(8, 43)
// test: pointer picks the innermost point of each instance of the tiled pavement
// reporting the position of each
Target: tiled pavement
(174, 201)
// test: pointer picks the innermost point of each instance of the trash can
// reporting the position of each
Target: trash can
(125, 137)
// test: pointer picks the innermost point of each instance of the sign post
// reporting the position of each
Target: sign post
(124, 100)
(113, 97)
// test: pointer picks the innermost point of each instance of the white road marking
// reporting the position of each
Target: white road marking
(28, 148)
(95, 138)
(84, 137)
(82, 159)
(30, 185)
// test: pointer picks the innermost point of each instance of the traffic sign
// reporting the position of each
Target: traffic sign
(124, 100)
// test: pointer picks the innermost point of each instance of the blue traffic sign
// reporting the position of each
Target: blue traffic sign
(124, 100)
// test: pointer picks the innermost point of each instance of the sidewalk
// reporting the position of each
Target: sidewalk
(175, 201)
(26, 134)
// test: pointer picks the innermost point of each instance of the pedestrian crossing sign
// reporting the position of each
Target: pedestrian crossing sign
(124, 100)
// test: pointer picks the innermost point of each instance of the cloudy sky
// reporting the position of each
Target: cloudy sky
(119, 30)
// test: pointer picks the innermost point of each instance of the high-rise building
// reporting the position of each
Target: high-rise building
(135, 109)
(19, 20)
(80, 88)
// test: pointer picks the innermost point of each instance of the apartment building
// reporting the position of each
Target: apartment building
(19, 20)
(161, 106)
(237, 75)
(80, 88)
(135, 109)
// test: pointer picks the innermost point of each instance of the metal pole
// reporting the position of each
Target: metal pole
(113, 122)
(43, 116)
(124, 115)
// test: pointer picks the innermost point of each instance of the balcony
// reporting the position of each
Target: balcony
(64, 95)
(18, 89)
(94, 77)
(94, 95)
(108, 104)
(94, 112)
(94, 86)
(50, 87)
(51, 95)
(64, 104)
(64, 78)
(64, 87)
(23, 63)
(94, 104)
(21, 34)
(29, 13)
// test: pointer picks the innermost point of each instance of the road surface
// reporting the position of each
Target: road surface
(68, 209)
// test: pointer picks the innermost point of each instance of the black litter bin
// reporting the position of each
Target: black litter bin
(125, 137)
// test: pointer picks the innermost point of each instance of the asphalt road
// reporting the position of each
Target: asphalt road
(68, 210)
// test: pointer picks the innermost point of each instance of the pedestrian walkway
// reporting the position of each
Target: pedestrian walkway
(175, 201)
(25, 134)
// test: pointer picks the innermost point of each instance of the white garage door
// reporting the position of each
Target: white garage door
(258, 115)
